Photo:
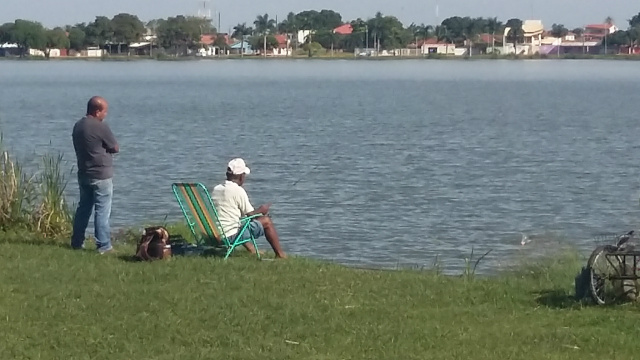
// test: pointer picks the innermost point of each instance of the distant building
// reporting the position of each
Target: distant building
(302, 35)
(435, 47)
(241, 48)
(284, 46)
(345, 29)
(533, 30)
(598, 31)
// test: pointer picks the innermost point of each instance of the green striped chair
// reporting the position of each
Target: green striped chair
(202, 218)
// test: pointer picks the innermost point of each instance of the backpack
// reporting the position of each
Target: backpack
(154, 244)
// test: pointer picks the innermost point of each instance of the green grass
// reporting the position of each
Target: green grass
(62, 304)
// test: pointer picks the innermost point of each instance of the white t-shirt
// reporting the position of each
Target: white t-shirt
(232, 203)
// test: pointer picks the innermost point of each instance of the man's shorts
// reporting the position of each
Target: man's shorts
(255, 228)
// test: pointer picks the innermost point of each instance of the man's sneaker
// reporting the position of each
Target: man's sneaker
(107, 250)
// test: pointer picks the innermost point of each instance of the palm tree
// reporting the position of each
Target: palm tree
(376, 28)
(241, 30)
(609, 21)
(423, 32)
(493, 26)
(263, 24)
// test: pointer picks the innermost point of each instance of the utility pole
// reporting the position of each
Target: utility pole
(366, 29)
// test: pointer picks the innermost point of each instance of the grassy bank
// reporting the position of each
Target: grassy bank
(58, 303)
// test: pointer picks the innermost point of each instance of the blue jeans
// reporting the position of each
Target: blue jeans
(255, 228)
(93, 194)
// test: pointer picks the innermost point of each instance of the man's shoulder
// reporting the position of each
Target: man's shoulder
(230, 188)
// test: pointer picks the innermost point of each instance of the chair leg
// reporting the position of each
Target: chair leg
(230, 250)
(255, 246)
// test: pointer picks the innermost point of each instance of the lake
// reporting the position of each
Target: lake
(371, 163)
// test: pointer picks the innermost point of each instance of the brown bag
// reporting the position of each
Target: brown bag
(154, 244)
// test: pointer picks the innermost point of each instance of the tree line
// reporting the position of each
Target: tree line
(180, 33)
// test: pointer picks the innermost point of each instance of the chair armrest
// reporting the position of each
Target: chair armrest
(250, 217)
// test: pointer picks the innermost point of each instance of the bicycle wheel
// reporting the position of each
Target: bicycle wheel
(602, 270)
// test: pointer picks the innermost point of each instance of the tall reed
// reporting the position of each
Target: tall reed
(34, 201)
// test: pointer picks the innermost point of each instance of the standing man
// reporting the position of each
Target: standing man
(95, 145)
(232, 204)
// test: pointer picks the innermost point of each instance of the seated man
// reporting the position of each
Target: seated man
(232, 203)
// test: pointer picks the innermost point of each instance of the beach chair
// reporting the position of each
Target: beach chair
(202, 218)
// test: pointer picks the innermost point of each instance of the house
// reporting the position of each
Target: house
(141, 48)
(208, 48)
(532, 31)
(284, 46)
(345, 29)
(9, 50)
(301, 36)
(93, 52)
(598, 31)
(569, 47)
(433, 46)
(241, 48)
(629, 50)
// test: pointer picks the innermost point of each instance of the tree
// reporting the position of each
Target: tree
(29, 35)
(7, 33)
(578, 31)
(221, 43)
(443, 34)
(328, 20)
(387, 32)
(263, 24)
(493, 27)
(516, 34)
(328, 39)
(307, 20)
(257, 41)
(99, 32)
(56, 39)
(127, 29)
(153, 25)
(182, 33)
(241, 31)
(634, 21)
(618, 38)
(559, 31)
(76, 38)
(456, 26)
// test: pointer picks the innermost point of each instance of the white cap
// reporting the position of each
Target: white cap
(238, 167)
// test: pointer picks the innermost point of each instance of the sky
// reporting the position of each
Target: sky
(571, 13)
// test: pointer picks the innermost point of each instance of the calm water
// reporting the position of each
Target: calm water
(374, 163)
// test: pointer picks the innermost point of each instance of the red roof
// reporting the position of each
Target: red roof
(345, 29)
(282, 41)
(489, 38)
(598, 26)
(209, 39)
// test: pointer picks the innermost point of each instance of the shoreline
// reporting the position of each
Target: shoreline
(125, 58)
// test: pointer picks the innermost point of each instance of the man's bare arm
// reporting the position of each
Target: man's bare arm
(263, 209)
